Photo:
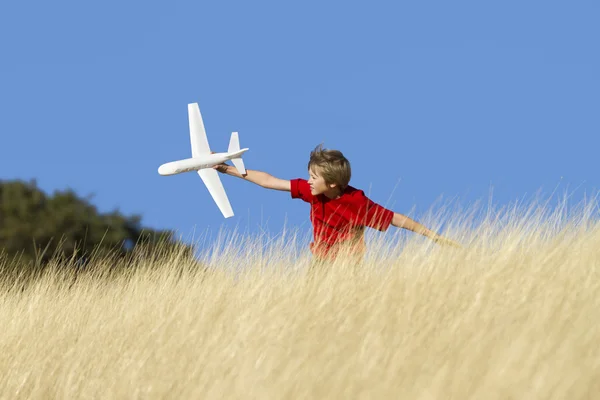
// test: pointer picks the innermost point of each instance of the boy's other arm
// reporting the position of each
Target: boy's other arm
(402, 221)
(258, 177)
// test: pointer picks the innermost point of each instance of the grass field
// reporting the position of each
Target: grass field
(515, 314)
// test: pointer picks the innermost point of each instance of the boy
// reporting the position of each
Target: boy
(338, 212)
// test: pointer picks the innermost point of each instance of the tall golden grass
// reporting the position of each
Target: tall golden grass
(514, 314)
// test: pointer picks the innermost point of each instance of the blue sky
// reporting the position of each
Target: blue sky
(426, 99)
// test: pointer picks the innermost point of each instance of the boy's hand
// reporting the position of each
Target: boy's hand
(222, 168)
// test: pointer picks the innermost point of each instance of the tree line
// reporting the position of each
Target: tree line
(37, 227)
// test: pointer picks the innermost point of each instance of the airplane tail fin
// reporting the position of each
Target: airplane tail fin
(234, 145)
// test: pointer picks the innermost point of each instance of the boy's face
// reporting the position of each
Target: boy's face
(317, 182)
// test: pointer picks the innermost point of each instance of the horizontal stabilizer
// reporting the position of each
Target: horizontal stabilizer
(239, 165)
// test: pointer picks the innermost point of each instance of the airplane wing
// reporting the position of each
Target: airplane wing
(211, 179)
(197, 132)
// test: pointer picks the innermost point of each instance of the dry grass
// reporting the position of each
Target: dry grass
(515, 314)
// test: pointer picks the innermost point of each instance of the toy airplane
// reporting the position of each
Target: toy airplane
(203, 160)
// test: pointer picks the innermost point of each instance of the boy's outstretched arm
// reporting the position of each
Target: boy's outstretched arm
(402, 221)
(258, 177)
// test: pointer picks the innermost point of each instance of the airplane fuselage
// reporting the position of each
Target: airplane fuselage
(197, 163)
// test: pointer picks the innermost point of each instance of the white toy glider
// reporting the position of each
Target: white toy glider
(203, 160)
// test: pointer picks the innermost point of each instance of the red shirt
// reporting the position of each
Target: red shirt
(341, 220)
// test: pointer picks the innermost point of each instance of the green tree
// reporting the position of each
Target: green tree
(37, 227)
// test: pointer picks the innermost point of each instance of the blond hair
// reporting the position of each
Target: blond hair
(332, 166)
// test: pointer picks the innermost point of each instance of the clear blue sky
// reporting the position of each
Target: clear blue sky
(426, 99)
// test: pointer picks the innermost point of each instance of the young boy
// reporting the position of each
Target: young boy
(339, 212)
